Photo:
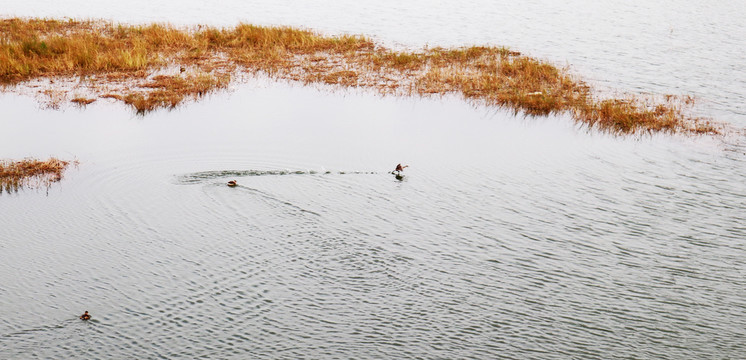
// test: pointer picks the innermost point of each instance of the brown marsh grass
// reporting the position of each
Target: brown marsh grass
(30, 173)
(82, 101)
(159, 66)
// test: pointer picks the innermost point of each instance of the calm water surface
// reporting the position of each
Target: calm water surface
(509, 237)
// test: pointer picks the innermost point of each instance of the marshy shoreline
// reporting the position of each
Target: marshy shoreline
(156, 66)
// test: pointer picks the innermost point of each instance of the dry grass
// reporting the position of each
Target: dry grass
(30, 173)
(82, 101)
(168, 91)
(159, 66)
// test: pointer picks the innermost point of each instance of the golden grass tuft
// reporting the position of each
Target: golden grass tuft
(30, 173)
(82, 101)
(159, 66)
(168, 91)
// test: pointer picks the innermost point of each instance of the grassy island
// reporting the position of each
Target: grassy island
(30, 172)
(160, 66)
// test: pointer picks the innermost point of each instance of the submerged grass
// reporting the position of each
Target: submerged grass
(159, 66)
(15, 175)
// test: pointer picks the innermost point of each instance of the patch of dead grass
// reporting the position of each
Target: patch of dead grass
(82, 101)
(159, 66)
(15, 175)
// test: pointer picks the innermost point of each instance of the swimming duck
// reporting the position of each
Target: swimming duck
(85, 316)
(232, 183)
(398, 171)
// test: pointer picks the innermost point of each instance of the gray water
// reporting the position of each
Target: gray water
(508, 237)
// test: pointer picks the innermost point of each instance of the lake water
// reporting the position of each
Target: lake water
(508, 237)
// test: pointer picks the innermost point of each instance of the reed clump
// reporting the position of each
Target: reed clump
(82, 101)
(168, 91)
(15, 175)
(159, 66)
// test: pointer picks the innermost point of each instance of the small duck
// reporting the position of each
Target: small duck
(232, 183)
(85, 316)
(398, 171)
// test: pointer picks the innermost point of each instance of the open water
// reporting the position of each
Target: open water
(508, 237)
